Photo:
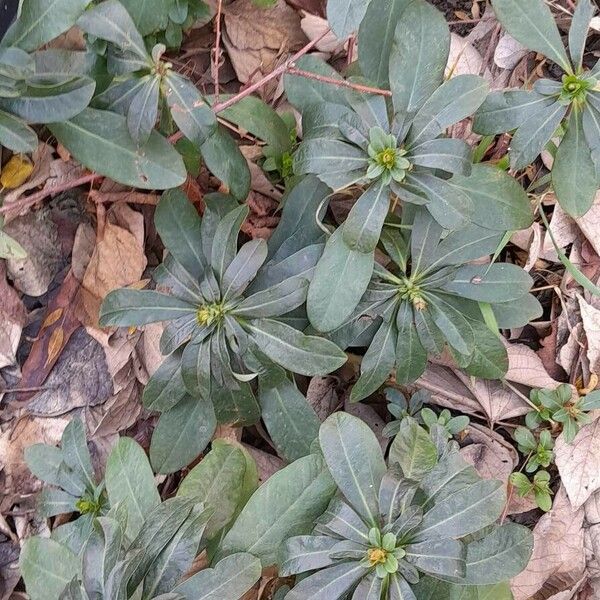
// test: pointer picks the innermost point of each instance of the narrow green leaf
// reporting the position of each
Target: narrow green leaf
(243, 268)
(413, 449)
(344, 16)
(149, 15)
(224, 244)
(582, 17)
(411, 357)
(143, 110)
(76, 454)
(16, 135)
(329, 584)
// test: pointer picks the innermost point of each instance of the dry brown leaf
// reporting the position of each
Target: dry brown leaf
(558, 559)
(591, 326)
(509, 52)
(526, 367)
(464, 59)
(13, 317)
(314, 27)
(590, 224)
(267, 464)
(322, 396)
(579, 463)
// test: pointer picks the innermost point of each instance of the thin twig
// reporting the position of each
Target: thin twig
(338, 82)
(27, 201)
(280, 70)
(217, 50)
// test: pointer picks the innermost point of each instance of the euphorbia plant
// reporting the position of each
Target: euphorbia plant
(572, 101)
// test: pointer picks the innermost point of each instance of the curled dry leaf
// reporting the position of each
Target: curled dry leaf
(579, 463)
(509, 52)
(464, 59)
(558, 559)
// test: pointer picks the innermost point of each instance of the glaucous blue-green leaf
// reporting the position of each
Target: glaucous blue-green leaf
(499, 282)
(574, 173)
(181, 434)
(75, 452)
(344, 16)
(411, 357)
(430, 588)
(332, 583)
(243, 268)
(442, 557)
(40, 21)
(334, 162)
(257, 117)
(236, 407)
(274, 301)
(216, 481)
(292, 349)
(290, 420)
(305, 553)
(177, 332)
(165, 388)
(353, 456)
(229, 579)
(140, 307)
(48, 104)
(224, 160)
(465, 511)
(377, 363)
(451, 323)
(51, 502)
(455, 100)
(287, 504)
(143, 110)
(189, 110)
(340, 279)
(499, 556)
(130, 481)
(15, 134)
(419, 56)
(532, 24)
(111, 21)
(195, 367)
(100, 140)
(499, 202)
(446, 154)
(489, 359)
(47, 567)
(376, 35)
(224, 245)
(582, 16)
(149, 16)
(178, 225)
(303, 92)
(413, 449)
(517, 313)
(504, 111)
(118, 95)
(363, 226)
(533, 135)
(44, 462)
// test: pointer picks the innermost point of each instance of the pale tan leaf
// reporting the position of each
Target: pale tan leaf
(591, 325)
(526, 367)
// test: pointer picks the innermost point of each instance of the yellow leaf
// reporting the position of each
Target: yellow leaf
(54, 345)
(54, 316)
(16, 171)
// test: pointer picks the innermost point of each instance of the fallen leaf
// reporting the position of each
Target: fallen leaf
(464, 59)
(13, 317)
(314, 27)
(590, 317)
(16, 171)
(579, 463)
(267, 464)
(322, 396)
(509, 52)
(526, 367)
(558, 558)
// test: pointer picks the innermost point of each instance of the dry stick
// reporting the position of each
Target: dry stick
(217, 50)
(338, 82)
(34, 198)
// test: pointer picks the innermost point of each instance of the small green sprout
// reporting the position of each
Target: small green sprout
(539, 487)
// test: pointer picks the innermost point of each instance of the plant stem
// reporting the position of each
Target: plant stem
(217, 50)
(292, 70)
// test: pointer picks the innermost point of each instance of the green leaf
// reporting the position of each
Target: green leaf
(411, 357)
(532, 24)
(498, 282)
(451, 323)
(336, 163)
(574, 173)
(413, 449)
(293, 350)
(465, 511)
(450, 155)
(126, 307)
(533, 135)
(178, 224)
(499, 202)
(44, 462)
(243, 268)
(224, 245)
(455, 100)
(355, 460)
(195, 368)
(290, 420)
(130, 481)
(257, 117)
(143, 110)
(377, 362)
(419, 56)
(47, 567)
(504, 111)
(344, 16)
(332, 583)
(181, 434)
(150, 15)
(489, 359)
(303, 93)
(306, 553)
(339, 282)
(190, 112)
(578, 32)
(48, 104)
(16, 135)
(499, 556)
(230, 579)
(216, 481)
(376, 35)
(517, 313)
(224, 160)
(362, 228)
(438, 557)
(287, 504)
(274, 301)
(40, 21)
(165, 388)
(430, 588)
(111, 21)
(76, 454)
(100, 141)
(236, 407)
(53, 502)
